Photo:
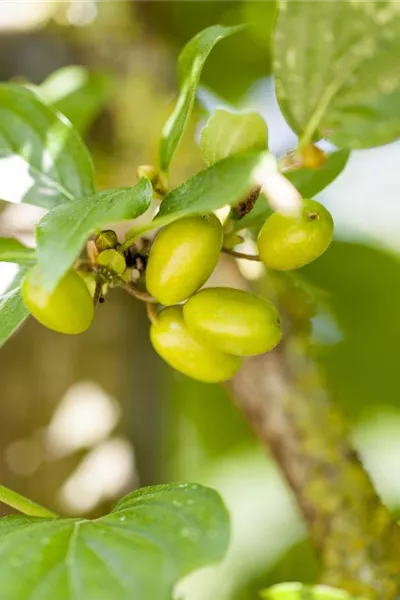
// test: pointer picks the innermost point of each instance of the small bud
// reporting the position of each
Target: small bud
(156, 178)
(91, 251)
(106, 239)
(311, 157)
(113, 260)
(127, 275)
(147, 171)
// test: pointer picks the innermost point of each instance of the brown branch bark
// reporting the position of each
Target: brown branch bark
(284, 398)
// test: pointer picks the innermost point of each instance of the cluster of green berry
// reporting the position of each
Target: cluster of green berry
(69, 308)
(207, 336)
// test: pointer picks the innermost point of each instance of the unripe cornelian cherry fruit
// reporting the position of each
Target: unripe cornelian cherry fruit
(233, 321)
(290, 242)
(182, 258)
(67, 309)
(171, 339)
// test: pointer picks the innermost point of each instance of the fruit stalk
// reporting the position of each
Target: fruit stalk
(151, 312)
(254, 257)
(284, 397)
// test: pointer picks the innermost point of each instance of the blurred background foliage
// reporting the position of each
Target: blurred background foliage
(86, 419)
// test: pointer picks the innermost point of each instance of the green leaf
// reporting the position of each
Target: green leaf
(11, 250)
(310, 182)
(336, 68)
(228, 133)
(152, 538)
(62, 233)
(226, 183)
(360, 346)
(299, 591)
(77, 93)
(190, 66)
(12, 309)
(41, 151)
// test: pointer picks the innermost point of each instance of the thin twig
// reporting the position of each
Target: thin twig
(97, 292)
(133, 234)
(139, 294)
(83, 264)
(254, 257)
(246, 205)
(151, 312)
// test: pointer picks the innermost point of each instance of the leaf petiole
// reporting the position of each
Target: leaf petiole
(133, 234)
(138, 294)
(24, 505)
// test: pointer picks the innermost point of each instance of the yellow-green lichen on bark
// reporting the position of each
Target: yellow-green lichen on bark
(358, 544)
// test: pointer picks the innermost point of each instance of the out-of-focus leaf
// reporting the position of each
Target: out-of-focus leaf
(298, 591)
(363, 286)
(240, 60)
(336, 68)
(63, 231)
(12, 309)
(11, 250)
(228, 133)
(151, 539)
(192, 402)
(77, 93)
(310, 182)
(41, 151)
(297, 563)
(260, 17)
(190, 65)
(227, 182)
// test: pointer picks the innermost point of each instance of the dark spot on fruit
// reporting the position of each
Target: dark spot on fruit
(313, 216)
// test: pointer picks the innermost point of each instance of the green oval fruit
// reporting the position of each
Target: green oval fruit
(182, 258)
(290, 242)
(171, 339)
(233, 321)
(67, 309)
(113, 260)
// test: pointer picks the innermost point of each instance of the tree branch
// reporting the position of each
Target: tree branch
(284, 397)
